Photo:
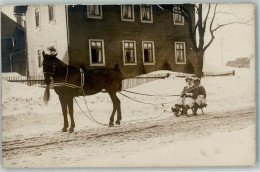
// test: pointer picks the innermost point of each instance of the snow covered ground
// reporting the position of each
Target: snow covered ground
(25, 116)
(220, 149)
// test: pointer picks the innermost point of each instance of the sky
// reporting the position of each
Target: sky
(238, 40)
(8, 10)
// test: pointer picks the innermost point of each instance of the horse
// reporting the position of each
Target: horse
(70, 82)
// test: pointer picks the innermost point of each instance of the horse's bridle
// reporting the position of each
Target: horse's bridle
(59, 84)
(53, 67)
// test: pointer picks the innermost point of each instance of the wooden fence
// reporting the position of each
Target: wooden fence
(30, 80)
(127, 83)
(142, 79)
(227, 73)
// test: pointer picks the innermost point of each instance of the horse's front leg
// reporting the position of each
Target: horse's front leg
(70, 105)
(63, 103)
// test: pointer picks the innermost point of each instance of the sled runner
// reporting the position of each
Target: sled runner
(179, 109)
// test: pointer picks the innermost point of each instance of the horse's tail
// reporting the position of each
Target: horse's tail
(46, 96)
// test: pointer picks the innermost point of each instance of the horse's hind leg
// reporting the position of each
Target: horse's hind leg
(70, 105)
(118, 108)
(63, 103)
(112, 96)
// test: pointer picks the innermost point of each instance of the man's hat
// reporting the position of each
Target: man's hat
(196, 79)
(188, 78)
(52, 50)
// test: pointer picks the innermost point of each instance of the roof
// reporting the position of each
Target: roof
(7, 26)
(20, 10)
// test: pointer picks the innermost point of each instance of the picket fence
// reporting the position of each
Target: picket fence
(126, 83)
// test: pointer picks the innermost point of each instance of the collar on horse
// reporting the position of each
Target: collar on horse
(62, 84)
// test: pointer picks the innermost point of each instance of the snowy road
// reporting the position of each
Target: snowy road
(107, 146)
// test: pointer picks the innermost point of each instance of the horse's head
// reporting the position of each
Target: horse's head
(48, 66)
(48, 70)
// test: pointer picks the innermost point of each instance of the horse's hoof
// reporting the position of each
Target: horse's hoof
(117, 122)
(71, 130)
(64, 130)
(111, 125)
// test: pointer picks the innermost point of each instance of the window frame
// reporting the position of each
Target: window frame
(184, 47)
(148, 63)
(54, 16)
(37, 27)
(103, 53)
(95, 17)
(129, 64)
(173, 16)
(39, 63)
(133, 12)
(141, 15)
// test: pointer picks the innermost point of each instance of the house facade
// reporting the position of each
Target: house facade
(46, 26)
(13, 44)
(7, 41)
(138, 38)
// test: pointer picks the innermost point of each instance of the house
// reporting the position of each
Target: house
(7, 41)
(138, 38)
(243, 62)
(46, 26)
(13, 43)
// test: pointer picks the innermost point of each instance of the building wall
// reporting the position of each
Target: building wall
(46, 35)
(7, 40)
(113, 31)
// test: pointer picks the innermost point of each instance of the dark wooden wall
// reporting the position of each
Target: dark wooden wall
(113, 31)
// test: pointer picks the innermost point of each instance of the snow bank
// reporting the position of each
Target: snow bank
(10, 74)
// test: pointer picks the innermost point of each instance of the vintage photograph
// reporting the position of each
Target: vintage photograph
(130, 85)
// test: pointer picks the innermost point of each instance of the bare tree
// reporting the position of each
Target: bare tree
(200, 27)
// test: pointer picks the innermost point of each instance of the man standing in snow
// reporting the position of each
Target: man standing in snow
(200, 94)
(187, 98)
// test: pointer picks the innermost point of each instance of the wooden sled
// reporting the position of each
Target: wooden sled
(178, 110)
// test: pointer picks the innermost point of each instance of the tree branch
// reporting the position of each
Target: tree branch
(205, 21)
(211, 30)
(223, 12)
(226, 24)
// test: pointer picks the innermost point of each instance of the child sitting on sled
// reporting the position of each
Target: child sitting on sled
(200, 100)
(187, 100)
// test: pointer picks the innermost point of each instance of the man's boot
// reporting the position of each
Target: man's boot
(175, 111)
(184, 110)
(195, 109)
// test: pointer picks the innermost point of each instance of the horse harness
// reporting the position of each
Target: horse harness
(66, 84)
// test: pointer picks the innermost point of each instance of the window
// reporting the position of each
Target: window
(146, 13)
(129, 52)
(39, 54)
(96, 51)
(148, 52)
(51, 12)
(127, 13)
(178, 19)
(180, 53)
(94, 11)
(37, 17)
